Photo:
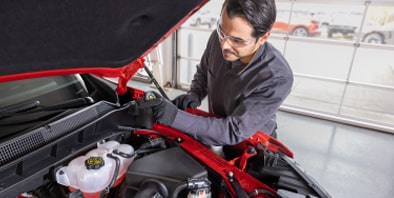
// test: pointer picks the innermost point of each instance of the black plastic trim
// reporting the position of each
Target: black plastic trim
(59, 144)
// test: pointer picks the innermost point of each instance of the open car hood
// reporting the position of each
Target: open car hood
(107, 38)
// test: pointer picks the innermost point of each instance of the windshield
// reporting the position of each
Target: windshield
(47, 90)
(20, 99)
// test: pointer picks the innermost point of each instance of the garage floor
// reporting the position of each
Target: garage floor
(347, 161)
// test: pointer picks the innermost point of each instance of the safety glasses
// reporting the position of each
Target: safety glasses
(234, 41)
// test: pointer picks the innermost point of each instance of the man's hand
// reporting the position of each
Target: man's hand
(186, 100)
(164, 111)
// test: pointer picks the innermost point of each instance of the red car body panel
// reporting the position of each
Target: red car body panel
(72, 132)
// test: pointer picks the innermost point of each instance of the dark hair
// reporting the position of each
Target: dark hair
(260, 13)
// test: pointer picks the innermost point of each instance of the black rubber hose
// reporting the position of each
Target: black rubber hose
(116, 172)
(178, 189)
(153, 143)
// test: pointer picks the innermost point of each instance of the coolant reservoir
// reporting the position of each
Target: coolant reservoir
(93, 172)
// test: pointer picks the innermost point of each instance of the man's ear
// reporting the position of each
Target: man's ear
(263, 38)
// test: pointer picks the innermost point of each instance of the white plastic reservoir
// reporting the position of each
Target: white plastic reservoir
(93, 172)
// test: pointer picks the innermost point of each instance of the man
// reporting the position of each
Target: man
(244, 77)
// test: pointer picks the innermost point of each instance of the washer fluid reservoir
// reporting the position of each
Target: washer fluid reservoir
(94, 172)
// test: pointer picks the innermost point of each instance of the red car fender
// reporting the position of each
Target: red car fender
(219, 165)
(258, 138)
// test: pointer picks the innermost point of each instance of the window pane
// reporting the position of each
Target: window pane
(278, 43)
(281, 25)
(374, 66)
(319, 59)
(369, 103)
(186, 71)
(295, 22)
(379, 26)
(192, 43)
(339, 22)
(315, 94)
(206, 17)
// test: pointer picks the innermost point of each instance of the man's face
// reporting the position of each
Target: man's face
(236, 40)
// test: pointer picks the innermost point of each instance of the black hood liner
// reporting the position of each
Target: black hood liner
(38, 35)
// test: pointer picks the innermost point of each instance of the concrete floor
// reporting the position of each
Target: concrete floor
(347, 161)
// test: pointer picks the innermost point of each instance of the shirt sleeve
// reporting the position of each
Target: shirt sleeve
(252, 114)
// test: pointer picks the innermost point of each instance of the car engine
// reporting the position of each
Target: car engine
(112, 150)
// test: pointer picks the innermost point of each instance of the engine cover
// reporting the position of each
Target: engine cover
(171, 167)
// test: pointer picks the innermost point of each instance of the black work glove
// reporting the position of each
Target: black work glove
(163, 110)
(186, 100)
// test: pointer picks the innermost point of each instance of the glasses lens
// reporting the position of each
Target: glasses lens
(238, 42)
(235, 42)
(220, 33)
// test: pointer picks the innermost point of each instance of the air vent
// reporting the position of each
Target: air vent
(16, 148)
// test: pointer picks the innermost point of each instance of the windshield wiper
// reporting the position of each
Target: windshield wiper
(19, 107)
(74, 103)
(32, 106)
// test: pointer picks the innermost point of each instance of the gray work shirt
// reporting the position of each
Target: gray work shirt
(246, 97)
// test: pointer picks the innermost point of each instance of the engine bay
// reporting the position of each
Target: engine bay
(164, 172)
(111, 149)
